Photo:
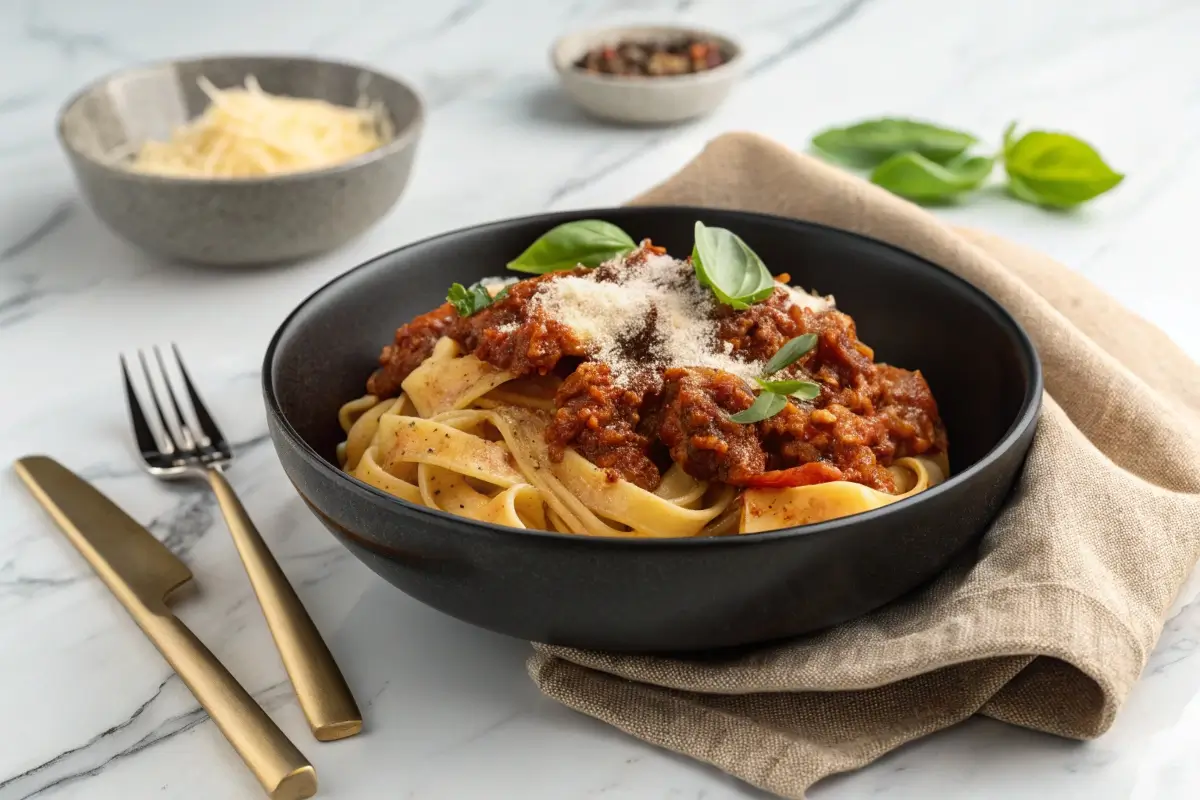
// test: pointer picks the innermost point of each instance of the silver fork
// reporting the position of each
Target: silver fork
(190, 445)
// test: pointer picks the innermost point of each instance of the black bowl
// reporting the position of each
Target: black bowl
(665, 594)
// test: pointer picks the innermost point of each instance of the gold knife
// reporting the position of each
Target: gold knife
(143, 573)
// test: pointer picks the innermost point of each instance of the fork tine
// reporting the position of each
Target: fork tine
(148, 441)
(170, 434)
(185, 433)
(208, 426)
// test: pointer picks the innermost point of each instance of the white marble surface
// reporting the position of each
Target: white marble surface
(89, 710)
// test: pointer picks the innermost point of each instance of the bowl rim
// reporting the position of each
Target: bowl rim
(404, 137)
(729, 70)
(1026, 417)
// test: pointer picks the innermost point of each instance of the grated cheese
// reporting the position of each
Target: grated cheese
(248, 133)
(659, 300)
(810, 301)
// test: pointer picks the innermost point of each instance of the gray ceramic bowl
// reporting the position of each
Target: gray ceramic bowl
(234, 220)
(644, 100)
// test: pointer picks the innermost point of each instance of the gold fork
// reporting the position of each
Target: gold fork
(192, 446)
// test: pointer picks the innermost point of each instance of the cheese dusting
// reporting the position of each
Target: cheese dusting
(653, 317)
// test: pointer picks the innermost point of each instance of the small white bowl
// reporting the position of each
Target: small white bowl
(640, 99)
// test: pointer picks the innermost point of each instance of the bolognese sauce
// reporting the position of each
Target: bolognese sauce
(633, 405)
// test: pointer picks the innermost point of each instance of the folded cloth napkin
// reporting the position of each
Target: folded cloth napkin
(1048, 629)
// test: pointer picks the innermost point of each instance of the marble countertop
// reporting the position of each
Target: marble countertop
(92, 711)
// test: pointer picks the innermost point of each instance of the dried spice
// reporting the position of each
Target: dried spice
(682, 56)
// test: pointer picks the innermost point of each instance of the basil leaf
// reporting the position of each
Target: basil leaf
(468, 300)
(791, 352)
(1010, 138)
(915, 177)
(727, 265)
(765, 406)
(460, 298)
(586, 242)
(805, 390)
(1055, 169)
(872, 142)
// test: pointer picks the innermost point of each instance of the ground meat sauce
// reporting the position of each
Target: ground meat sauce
(866, 416)
(414, 342)
(693, 421)
(506, 334)
(600, 421)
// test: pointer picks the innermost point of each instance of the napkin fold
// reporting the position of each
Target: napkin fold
(1048, 629)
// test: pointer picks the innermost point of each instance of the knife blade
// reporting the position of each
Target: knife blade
(123, 552)
(141, 572)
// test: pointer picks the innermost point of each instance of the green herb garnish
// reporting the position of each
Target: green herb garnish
(584, 242)
(805, 390)
(725, 264)
(915, 177)
(765, 406)
(791, 352)
(870, 143)
(774, 394)
(928, 163)
(469, 299)
(1055, 169)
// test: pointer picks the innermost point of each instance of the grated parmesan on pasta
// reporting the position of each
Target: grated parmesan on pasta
(247, 132)
(660, 300)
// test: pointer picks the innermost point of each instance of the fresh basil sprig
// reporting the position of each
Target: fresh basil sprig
(583, 242)
(774, 394)
(871, 142)
(1055, 169)
(928, 163)
(727, 265)
(469, 299)
(915, 177)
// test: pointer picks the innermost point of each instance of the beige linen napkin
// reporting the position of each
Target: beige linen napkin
(1053, 624)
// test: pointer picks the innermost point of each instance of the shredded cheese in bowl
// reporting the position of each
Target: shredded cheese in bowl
(246, 133)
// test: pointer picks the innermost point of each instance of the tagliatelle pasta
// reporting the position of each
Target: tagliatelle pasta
(481, 453)
(625, 401)
(484, 458)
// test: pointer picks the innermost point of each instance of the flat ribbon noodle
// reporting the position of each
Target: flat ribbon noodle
(369, 471)
(624, 502)
(680, 488)
(771, 509)
(443, 443)
(518, 506)
(448, 380)
(728, 522)
(556, 522)
(410, 470)
(532, 391)
(449, 491)
(351, 411)
(361, 433)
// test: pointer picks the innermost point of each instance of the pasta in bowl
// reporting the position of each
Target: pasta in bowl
(639, 575)
(641, 396)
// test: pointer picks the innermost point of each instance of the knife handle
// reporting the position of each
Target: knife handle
(320, 687)
(281, 768)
